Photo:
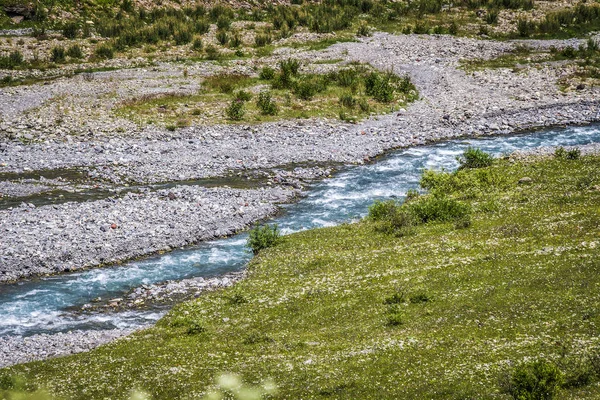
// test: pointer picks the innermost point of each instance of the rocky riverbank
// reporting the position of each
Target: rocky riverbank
(38, 134)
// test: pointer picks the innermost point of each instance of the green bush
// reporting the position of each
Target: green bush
(267, 73)
(262, 237)
(305, 90)
(537, 380)
(70, 30)
(212, 53)
(222, 37)
(58, 54)
(491, 17)
(266, 104)
(104, 51)
(347, 100)
(382, 210)
(236, 110)
(13, 60)
(243, 95)
(474, 158)
(261, 40)
(379, 87)
(363, 30)
(223, 23)
(419, 298)
(182, 36)
(395, 316)
(236, 41)
(197, 44)
(437, 208)
(290, 66)
(75, 51)
(525, 27)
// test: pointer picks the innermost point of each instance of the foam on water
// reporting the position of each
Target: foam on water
(41, 305)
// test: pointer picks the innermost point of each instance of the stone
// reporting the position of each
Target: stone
(525, 180)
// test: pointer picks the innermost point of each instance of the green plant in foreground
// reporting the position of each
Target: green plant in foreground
(262, 237)
(58, 54)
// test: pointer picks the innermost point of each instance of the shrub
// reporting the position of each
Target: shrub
(573, 154)
(420, 298)
(70, 30)
(182, 36)
(525, 27)
(363, 30)
(379, 87)
(197, 44)
(266, 105)
(289, 66)
(395, 317)
(201, 27)
(236, 110)
(262, 237)
(222, 37)
(437, 208)
(382, 210)
(236, 41)
(491, 17)
(347, 100)
(13, 60)
(305, 90)
(58, 54)
(347, 77)
(223, 23)
(474, 158)
(267, 73)
(75, 51)
(243, 95)
(397, 298)
(104, 51)
(262, 40)
(212, 53)
(195, 328)
(538, 380)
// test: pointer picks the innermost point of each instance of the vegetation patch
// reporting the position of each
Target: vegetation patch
(356, 91)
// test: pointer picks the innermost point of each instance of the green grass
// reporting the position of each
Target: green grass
(329, 313)
(210, 104)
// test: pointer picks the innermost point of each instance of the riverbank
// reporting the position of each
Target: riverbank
(447, 310)
(453, 104)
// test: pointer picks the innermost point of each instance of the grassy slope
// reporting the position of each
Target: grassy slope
(521, 282)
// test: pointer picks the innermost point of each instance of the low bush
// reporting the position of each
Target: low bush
(474, 158)
(70, 30)
(347, 100)
(261, 40)
(58, 54)
(243, 95)
(266, 104)
(222, 37)
(236, 110)
(104, 51)
(75, 51)
(13, 60)
(438, 208)
(537, 380)
(267, 73)
(262, 237)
